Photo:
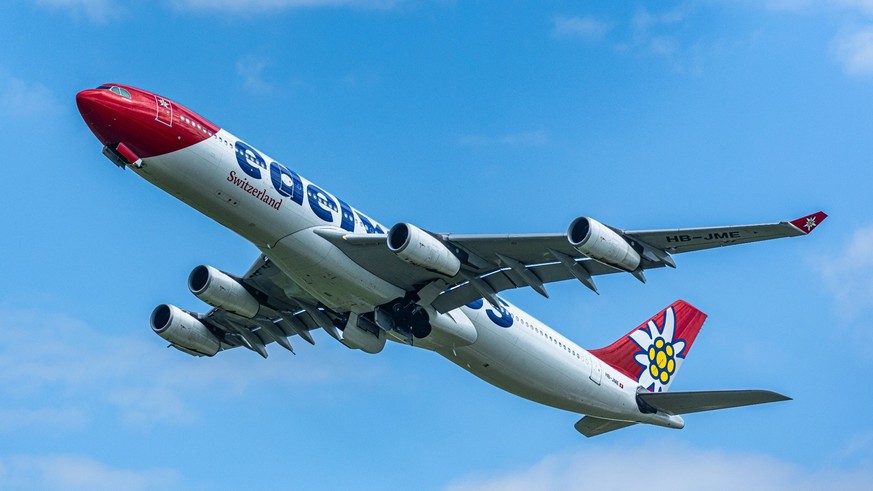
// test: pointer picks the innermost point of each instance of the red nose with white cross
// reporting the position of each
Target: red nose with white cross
(139, 124)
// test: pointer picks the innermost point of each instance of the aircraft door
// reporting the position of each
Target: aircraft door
(163, 111)
(596, 371)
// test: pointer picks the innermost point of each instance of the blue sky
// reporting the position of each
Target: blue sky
(458, 116)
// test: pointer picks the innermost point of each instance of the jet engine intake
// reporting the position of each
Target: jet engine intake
(220, 290)
(183, 330)
(600, 242)
(421, 249)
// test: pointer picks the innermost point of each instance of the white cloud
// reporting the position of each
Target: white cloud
(579, 27)
(95, 10)
(251, 70)
(75, 472)
(865, 6)
(650, 30)
(528, 138)
(58, 373)
(660, 34)
(854, 49)
(789, 5)
(848, 273)
(852, 45)
(26, 100)
(260, 6)
(45, 417)
(858, 445)
(678, 468)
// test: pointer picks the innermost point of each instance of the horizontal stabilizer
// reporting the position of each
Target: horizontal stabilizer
(592, 426)
(707, 400)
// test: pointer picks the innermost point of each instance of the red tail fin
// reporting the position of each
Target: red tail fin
(652, 353)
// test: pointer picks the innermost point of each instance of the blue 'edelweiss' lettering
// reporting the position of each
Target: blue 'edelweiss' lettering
(249, 160)
(499, 316)
(278, 174)
(288, 183)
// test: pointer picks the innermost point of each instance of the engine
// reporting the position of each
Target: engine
(183, 330)
(220, 290)
(600, 242)
(418, 247)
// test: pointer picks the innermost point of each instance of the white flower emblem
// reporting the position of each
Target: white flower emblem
(660, 354)
(810, 223)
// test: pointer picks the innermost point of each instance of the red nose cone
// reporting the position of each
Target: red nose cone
(145, 123)
(85, 102)
(97, 115)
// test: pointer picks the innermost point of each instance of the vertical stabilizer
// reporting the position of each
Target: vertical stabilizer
(652, 353)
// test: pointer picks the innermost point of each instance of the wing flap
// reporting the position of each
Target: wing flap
(708, 400)
(593, 426)
(503, 280)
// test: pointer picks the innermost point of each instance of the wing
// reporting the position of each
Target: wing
(284, 311)
(493, 263)
(681, 240)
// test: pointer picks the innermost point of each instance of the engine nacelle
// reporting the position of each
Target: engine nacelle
(600, 242)
(418, 247)
(220, 290)
(183, 330)
(448, 330)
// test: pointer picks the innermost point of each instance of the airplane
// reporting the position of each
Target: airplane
(326, 265)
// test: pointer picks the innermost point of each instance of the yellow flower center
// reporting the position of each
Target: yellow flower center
(662, 363)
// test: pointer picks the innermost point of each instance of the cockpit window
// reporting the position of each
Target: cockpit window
(115, 90)
(120, 91)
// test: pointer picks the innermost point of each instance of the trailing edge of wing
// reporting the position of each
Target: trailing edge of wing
(708, 400)
(593, 426)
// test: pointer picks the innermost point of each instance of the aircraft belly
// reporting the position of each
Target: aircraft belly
(517, 362)
(497, 358)
(328, 275)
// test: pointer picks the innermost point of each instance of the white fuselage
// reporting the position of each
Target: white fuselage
(512, 351)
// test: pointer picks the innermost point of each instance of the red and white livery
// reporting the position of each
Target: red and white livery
(327, 265)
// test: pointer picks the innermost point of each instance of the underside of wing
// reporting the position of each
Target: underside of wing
(680, 240)
(709, 400)
(260, 308)
(487, 264)
(447, 271)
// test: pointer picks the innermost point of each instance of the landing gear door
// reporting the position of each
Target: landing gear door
(164, 111)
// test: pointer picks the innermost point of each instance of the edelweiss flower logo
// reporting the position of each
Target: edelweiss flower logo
(810, 223)
(660, 353)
